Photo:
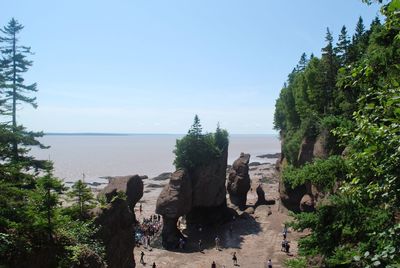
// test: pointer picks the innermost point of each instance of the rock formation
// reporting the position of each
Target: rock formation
(239, 181)
(132, 186)
(199, 195)
(175, 200)
(260, 196)
(305, 197)
(116, 220)
(116, 229)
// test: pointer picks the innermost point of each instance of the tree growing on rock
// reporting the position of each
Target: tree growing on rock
(198, 149)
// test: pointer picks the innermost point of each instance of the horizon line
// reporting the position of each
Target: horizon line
(130, 134)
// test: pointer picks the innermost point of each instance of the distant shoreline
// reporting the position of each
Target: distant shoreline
(137, 134)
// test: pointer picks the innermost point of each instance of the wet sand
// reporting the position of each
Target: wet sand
(255, 238)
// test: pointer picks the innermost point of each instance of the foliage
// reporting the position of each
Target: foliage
(79, 241)
(299, 262)
(198, 149)
(321, 172)
(359, 225)
(83, 197)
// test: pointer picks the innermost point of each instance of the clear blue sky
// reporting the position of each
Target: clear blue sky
(148, 66)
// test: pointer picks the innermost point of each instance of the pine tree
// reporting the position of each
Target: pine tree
(342, 46)
(45, 202)
(330, 66)
(302, 62)
(83, 197)
(13, 65)
(360, 29)
(196, 128)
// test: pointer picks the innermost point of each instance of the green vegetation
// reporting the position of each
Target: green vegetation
(35, 230)
(353, 93)
(322, 172)
(198, 149)
(84, 199)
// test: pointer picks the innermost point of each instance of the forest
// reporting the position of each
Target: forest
(351, 94)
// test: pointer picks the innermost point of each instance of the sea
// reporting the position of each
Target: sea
(94, 157)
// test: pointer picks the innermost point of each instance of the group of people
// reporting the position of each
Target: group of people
(146, 230)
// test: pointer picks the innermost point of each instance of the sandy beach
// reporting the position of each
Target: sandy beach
(254, 237)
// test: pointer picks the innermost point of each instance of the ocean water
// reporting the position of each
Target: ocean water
(98, 156)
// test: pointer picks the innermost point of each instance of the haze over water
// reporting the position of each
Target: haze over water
(145, 154)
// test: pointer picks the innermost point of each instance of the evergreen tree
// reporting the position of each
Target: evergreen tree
(45, 201)
(13, 65)
(330, 69)
(360, 29)
(196, 128)
(302, 62)
(342, 46)
(83, 197)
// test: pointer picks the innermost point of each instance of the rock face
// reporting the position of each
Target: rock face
(116, 230)
(239, 181)
(305, 197)
(132, 186)
(200, 195)
(306, 151)
(174, 201)
(116, 220)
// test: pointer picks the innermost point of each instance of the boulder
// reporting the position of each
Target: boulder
(132, 186)
(239, 181)
(260, 196)
(307, 203)
(116, 229)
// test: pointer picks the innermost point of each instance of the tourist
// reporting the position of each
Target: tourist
(217, 243)
(269, 211)
(140, 208)
(269, 264)
(287, 247)
(154, 265)
(141, 257)
(213, 265)
(284, 232)
(234, 258)
(284, 242)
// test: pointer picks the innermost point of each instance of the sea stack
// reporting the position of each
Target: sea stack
(239, 181)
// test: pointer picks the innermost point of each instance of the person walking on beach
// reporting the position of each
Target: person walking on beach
(269, 264)
(140, 208)
(141, 257)
(154, 265)
(213, 265)
(234, 259)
